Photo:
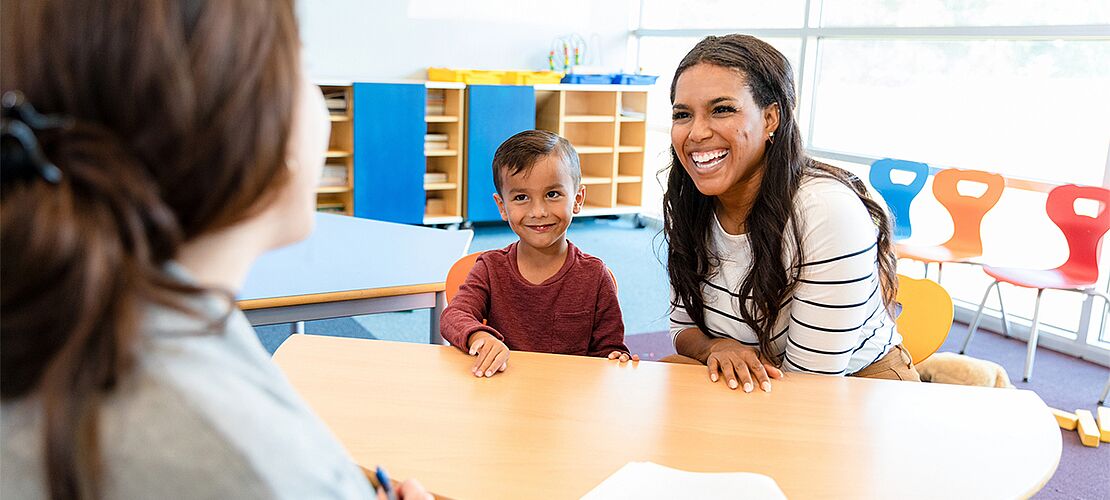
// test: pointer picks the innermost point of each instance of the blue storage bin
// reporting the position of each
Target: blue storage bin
(629, 79)
(587, 79)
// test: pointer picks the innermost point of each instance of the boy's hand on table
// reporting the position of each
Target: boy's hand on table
(623, 356)
(493, 354)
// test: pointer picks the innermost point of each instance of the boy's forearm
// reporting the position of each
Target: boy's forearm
(457, 326)
(608, 337)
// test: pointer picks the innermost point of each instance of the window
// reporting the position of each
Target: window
(904, 13)
(708, 14)
(1030, 109)
(1010, 86)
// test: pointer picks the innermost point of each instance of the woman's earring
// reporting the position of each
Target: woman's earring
(771, 137)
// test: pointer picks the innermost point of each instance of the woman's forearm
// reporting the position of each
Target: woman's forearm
(692, 343)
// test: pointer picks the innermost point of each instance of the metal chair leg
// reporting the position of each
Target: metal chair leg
(940, 267)
(978, 315)
(1105, 392)
(1002, 307)
(1031, 348)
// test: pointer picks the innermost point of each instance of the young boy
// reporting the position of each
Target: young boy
(541, 293)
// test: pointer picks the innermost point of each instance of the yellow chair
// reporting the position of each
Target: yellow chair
(926, 316)
(457, 275)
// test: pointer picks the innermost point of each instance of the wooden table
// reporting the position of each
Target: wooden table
(351, 266)
(555, 426)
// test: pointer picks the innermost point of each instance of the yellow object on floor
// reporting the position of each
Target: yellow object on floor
(1067, 420)
(1088, 431)
(1104, 424)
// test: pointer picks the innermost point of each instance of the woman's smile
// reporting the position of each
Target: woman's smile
(708, 160)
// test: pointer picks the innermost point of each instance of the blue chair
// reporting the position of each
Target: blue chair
(898, 196)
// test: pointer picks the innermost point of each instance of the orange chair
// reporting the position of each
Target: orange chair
(1078, 274)
(458, 272)
(926, 316)
(967, 214)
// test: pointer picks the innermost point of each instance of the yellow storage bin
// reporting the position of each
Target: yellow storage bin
(446, 74)
(531, 77)
(465, 75)
(481, 76)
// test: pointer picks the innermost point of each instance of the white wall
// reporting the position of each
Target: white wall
(370, 40)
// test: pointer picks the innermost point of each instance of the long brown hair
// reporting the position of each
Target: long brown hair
(688, 214)
(179, 112)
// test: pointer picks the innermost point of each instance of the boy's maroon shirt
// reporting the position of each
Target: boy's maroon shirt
(574, 312)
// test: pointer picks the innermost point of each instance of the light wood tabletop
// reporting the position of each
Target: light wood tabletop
(555, 426)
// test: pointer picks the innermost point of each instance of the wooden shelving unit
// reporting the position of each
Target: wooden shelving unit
(444, 198)
(335, 193)
(605, 123)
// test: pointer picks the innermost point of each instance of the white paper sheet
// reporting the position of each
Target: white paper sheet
(647, 480)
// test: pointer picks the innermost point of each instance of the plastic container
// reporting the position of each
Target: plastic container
(469, 76)
(630, 79)
(531, 77)
(446, 74)
(587, 79)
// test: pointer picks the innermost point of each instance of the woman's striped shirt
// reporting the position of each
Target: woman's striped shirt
(835, 322)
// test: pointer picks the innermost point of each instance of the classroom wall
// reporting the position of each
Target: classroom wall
(392, 39)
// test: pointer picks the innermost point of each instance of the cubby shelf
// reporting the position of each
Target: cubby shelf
(340, 153)
(444, 116)
(610, 145)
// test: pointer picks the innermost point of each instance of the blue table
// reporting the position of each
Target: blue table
(351, 266)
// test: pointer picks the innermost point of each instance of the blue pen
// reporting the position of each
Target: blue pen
(387, 485)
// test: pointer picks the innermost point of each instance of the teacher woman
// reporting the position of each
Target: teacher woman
(776, 261)
(158, 147)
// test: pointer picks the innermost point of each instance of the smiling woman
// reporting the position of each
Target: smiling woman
(775, 260)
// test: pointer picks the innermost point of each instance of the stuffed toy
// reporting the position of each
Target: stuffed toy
(952, 368)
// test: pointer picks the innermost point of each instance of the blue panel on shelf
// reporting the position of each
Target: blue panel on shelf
(389, 151)
(494, 113)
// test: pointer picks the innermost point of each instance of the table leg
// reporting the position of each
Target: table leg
(298, 327)
(441, 303)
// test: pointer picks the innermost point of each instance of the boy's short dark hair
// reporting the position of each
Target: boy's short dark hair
(520, 153)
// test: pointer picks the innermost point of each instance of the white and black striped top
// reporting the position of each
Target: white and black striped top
(835, 323)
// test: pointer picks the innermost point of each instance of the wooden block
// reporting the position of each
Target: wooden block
(1066, 420)
(1104, 424)
(1088, 431)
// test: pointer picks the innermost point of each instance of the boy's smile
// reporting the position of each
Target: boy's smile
(539, 204)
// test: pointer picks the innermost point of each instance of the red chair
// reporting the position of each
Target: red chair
(1080, 272)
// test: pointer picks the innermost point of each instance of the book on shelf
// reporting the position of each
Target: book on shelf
(435, 206)
(434, 177)
(336, 101)
(628, 113)
(435, 137)
(331, 208)
(435, 110)
(435, 146)
(333, 175)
